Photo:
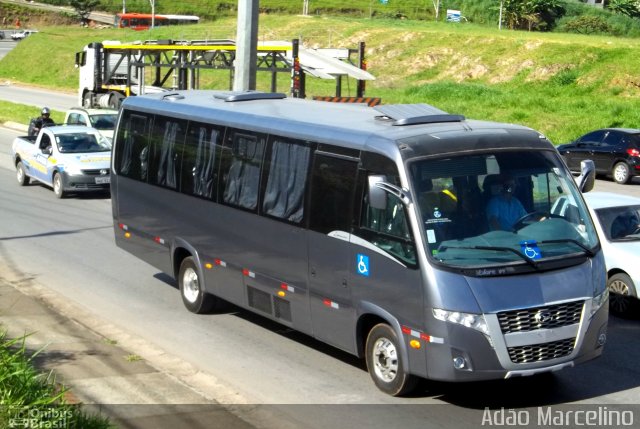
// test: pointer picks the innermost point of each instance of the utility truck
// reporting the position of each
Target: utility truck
(112, 70)
(67, 158)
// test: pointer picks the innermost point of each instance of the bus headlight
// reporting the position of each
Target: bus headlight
(599, 300)
(474, 321)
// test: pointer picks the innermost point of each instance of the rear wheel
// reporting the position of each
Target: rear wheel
(621, 173)
(21, 174)
(58, 188)
(86, 99)
(193, 295)
(115, 100)
(620, 286)
(385, 364)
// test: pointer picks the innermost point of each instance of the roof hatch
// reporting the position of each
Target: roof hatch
(413, 114)
(232, 96)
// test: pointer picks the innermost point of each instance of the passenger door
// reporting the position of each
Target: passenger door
(331, 207)
(605, 153)
(583, 149)
(41, 159)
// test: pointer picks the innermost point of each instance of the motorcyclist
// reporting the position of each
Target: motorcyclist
(43, 120)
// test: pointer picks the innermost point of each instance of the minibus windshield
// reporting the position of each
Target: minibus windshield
(501, 208)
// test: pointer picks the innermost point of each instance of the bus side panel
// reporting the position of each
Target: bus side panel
(273, 258)
(141, 215)
(396, 289)
(330, 301)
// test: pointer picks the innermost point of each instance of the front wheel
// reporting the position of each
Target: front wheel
(193, 295)
(385, 364)
(58, 188)
(621, 173)
(21, 174)
(620, 286)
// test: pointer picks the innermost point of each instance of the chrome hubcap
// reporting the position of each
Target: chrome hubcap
(190, 285)
(385, 360)
(618, 296)
(57, 185)
(20, 174)
(620, 173)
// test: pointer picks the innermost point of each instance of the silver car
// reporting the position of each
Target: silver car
(618, 224)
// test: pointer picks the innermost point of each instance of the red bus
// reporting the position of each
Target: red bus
(142, 21)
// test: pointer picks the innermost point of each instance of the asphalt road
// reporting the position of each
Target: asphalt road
(67, 246)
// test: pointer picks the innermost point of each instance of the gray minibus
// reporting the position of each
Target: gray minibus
(427, 243)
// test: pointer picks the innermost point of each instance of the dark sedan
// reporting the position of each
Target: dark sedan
(614, 151)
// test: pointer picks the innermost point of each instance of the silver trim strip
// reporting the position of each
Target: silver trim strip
(540, 336)
(527, 372)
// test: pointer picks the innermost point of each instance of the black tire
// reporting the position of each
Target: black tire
(193, 295)
(58, 188)
(86, 99)
(385, 364)
(115, 100)
(620, 293)
(21, 174)
(621, 173)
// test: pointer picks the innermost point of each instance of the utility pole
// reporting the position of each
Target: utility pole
(244, 77)
(305, 7)
(124, 6)
(153, 13)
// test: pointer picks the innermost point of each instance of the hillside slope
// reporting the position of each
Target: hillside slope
(562, 85)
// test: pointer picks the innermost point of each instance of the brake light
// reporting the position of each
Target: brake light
(633, 152)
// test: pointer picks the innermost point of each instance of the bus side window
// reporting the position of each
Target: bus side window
(288, 169)
(241, 164)
(332, 186)
(131, 148)
(199, 173)
(166, 148)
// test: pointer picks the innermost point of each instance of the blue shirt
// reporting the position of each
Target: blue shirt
(507, 211)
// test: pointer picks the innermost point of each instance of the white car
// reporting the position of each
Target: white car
(103, 120)
(21, 34)
(617, 219)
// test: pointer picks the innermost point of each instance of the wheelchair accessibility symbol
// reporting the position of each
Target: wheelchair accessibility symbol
(362, 264)
(530, 249)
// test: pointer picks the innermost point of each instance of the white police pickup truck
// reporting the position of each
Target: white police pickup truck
(68, 158)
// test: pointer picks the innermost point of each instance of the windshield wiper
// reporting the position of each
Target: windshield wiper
(570, 240)
(529, 261)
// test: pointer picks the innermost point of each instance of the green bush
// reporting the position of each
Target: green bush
(586, 24)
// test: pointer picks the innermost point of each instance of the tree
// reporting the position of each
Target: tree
(84, 8)
(630, 8)
(532, 14)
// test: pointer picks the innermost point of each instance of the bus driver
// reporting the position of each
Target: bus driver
(504, 209)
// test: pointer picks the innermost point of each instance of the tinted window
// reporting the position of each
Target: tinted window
(165, 151)
(242, 159)
(333, 183)
(288, 169)
(612, 139)
(132, 146)
(592, 138)
(199, 162)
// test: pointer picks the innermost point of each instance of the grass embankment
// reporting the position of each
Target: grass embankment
(34, 400)
(563, 85)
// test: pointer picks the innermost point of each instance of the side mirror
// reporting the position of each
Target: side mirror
(47, 150)
(377, 195)
(587, 178)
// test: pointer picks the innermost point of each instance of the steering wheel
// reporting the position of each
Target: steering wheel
(528, 219)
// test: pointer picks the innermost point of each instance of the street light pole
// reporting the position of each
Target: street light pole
(244, 77)
(124, 6)
(153, 13)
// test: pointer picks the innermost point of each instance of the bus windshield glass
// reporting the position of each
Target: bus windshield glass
(501, 208)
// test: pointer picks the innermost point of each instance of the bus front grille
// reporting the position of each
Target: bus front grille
(547, 317)
(541, 352)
